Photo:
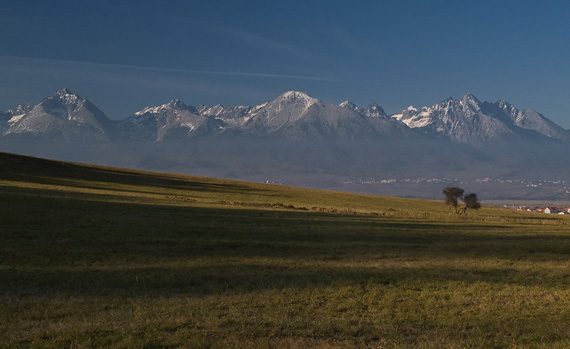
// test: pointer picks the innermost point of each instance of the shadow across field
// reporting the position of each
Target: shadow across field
(235, 278)
(77, 246)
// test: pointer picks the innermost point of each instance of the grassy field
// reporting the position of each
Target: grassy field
(101, 257)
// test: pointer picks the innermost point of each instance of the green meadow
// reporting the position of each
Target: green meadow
(103, 257)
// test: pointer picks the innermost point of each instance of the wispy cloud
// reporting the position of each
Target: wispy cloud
(67, 73)
(247, 38)
(167, 70)
(255, 40)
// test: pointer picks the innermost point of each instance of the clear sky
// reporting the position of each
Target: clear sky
(126, 55)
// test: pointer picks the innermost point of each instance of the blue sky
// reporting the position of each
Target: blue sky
(126, 55)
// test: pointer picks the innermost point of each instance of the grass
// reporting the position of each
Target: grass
(101, 257)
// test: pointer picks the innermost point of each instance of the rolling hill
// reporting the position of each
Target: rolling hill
(94, 256)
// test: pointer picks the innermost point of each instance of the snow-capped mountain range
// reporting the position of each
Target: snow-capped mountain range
(469, 120)
(293, 115)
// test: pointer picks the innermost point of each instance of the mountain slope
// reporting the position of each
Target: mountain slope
(531, 120)
(11, 116)
(231, 116)
(281, 112)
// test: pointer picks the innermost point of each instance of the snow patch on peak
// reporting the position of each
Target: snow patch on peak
(14, 119)
(295, 94)
(397, 116)
(298, 100)
(175, 104)
(468, 98)
(376, 111)
(420, 120)
(413, 117)
(256, 109)
(63, 91)
(504, 104)
(66, 96)
(470, 102)
(348, 105)
(152, 110)
(298, 96)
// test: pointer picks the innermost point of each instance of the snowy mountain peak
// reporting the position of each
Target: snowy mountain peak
(63, 91)
(348, 105)
(63, 115)
(296, 96)
(468, 98)
(374, 110)
(471, 103)
(65, 96)
(504, 104)
(176, 104)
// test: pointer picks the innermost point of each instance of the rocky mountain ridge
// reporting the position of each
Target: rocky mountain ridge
(293, 115)
(468, 120)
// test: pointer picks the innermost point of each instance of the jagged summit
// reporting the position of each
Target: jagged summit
(470, 101)
(65, 97)
(63, 91)
(469, 96)
(175, 104)
(374, 110)
(351, 106)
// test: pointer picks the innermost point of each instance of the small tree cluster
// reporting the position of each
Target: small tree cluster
(454, 194)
